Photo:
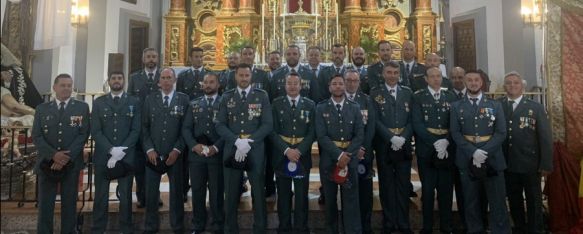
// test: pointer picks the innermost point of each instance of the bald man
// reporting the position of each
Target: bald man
(457, 81)
(431, 60)
(410, 68)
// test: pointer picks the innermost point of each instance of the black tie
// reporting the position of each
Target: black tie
(436, 96)
(210, 101)
(244, 96)
(293, 70)
(315, 70)
(510, 107)
(166, 101)
(351, 97)
(474, 102)
(116, 100)
(339, 108)
(407, 69)
(460, 95)
(61, 108)
(337, 70)
(196, 73)
(392, 93)
(293, 104)
(151, 76)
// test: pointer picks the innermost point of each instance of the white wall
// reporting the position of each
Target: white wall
(2, 8)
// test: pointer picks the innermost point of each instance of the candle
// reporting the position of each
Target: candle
(274, 15)
(337, 23)
(263, 21)
(326, 9)
(283, 27)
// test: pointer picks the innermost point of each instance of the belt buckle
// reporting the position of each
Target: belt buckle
(477, 139)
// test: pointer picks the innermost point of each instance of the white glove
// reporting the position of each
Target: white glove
(111, 162)
(397, 141)
(243, 145)
(240, 156)
(479, 157)
(118, 153)
(442, 154)
(441, 145)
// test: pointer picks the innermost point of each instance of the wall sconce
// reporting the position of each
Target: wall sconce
(79, 12)
(531, 12)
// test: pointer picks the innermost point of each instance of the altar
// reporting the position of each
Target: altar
(221, 27)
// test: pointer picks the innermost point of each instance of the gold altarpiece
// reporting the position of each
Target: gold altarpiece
(218, 26)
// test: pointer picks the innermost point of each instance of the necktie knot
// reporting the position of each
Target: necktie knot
(408, 67)
(116, 100)
(474, 101)
(150, 76)
(436, 95)
(210, 100)
(62, 106)
(293, 70)
(293, 104)
(244, 95)
(166, 101)
(196, 72)
(338, 70)
(339, 107)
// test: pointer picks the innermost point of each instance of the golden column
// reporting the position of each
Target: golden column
(370, 5)
(424, 28)
(352, 6)
(229, 6)
(174, 53)
(247, 6)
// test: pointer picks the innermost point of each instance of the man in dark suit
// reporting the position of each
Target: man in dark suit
(365, 153)
(259, 78)
(375, 71)
(115, 127)
(411, 70)
(244, 120)
(309, 85)
(528, 151)
(358, 59)
(205, 156)
(478, 127)
(394, 151)
(338, 55)
(60, 130)
(190, 80)
(292, 137)
(340, 133)
(140, 84)
(433, 150)
(162, 117)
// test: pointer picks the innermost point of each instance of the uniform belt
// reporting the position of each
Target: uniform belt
(477, 139)
(342, 144)
(244, 136)
(438, 131)
(396, 131)
(292, 140)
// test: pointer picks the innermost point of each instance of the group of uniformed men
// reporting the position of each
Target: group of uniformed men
(215, 126)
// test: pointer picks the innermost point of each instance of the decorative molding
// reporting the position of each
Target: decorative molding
(554, 71)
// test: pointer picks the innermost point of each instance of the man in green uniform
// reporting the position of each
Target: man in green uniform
(190, 81)
(478, 127)
(358, 59)
(309, 85)
(365, 154)
(411, 70)
(431, 107)
(293, 135)
(140, 84)
(162, 117)
(205, 159)
(338, 55)
(528, 150)
(340, 133)
(229, 73)
(274, 63)
(375, 71)
(115, 127)
(418, 82)
(244, 120)
(60, 130)
(259, 78)
(393, 152)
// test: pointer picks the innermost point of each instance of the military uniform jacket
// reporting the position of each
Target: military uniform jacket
(139, 85)
(414, 79)
(375, 76)
(528, 145)
(485, 120)
(161, 125)
(115, 125)
(225, 77)
(367, 111)
(259, 80)
(363, 75)
(310, 86)
(330, 127)
(191, 84)
(236, 118)
(290, 123)
(431, 113)
(52, 133)
(325, 75)
(391, 113)
(200, 121)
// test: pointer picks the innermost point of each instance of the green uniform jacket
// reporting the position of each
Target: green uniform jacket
(161, 126)
(310, 86)
(69, 132)
(190, 85)
(259, 80)
(115, 125)
(391, 113)
(200, 120)
(409, 79)
(326, 73)
(486, 120)
(298, 123)
(528, 145)
(369, 120)
(140, 87)
(330, 127)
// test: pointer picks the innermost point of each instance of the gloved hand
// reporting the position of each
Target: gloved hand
(243, 145)
(118, 153)
(397, 142)
(441, 145)
(111, 162)
(479, 157)
(240, 156)
(442, 154)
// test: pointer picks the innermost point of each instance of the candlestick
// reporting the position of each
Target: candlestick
(337, 23)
